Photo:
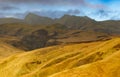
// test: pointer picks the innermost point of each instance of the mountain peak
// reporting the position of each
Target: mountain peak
(35, 19)
(31, 15)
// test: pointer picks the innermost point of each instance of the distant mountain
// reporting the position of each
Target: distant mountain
(75, 22)
(30, 18)
(70, 21)
(34, 19)
(65, 30)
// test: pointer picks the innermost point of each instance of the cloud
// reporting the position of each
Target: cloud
(74, 12)
(14, 15)
(55, 3)
(5, 8)
(101, 15)
(50, 8)
(57, 13)
(47, 13)
(56, 8)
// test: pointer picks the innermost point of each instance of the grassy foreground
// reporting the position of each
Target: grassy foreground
(95, 59)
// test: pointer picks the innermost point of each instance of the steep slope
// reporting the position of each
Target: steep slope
(52, 60)
(109, 67)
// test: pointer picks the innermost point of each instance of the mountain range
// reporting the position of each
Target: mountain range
(70, 46)
(65, 30)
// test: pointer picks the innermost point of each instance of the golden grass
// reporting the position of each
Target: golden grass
(76, 60)
(109, 67)
(7, 50)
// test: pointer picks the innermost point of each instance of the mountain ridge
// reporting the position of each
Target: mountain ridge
(68, 29)
(35, 19)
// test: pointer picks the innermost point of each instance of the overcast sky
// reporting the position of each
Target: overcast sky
(96, 9)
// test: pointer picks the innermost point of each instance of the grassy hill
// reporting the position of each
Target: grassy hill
(7, 49)
(108, 67)
(94, 59)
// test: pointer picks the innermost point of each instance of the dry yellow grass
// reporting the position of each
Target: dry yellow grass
(76, 60)
(7, 50)
(109, 67)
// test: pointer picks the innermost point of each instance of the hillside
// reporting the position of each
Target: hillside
(105, 68)
(59, 38)
(109, 67)
(73, 60)
(57, 34)
(7, 49)
(65, 30)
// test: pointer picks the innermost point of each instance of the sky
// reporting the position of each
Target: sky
(99, 10)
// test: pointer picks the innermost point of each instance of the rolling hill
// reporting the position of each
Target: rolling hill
(109, 67)
(95, 59)
(7, 49)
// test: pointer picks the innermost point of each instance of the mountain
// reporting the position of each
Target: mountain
(87, 24)
(70, 46)
(68, 21)
(65, 30)
(75, 22)
(34, 19)
(30, 18)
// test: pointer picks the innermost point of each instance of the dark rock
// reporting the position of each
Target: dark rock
(37, 39)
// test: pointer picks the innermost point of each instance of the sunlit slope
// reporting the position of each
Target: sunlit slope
(51, 61)
(109, 67)
(7, 50)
